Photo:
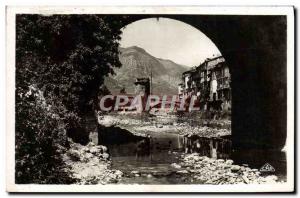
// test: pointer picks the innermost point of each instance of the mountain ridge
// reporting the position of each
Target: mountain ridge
(138, 63)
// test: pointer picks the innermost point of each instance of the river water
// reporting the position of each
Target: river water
(153, 169)
(167, 149)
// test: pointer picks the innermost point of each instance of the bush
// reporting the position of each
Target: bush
(61, 61)
(40, 135)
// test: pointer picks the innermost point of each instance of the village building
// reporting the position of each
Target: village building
(142, 86)
(210, 82)
(180, 90)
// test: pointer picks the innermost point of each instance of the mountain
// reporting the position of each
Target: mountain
(137, 63)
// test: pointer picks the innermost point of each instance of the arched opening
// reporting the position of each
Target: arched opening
(254, 125)
(178, 60)
(163, 49)
(247, 43)
(255, 50)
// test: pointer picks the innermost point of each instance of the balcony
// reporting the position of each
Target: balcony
(223, 83)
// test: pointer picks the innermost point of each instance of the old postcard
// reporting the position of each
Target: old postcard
(150, 99)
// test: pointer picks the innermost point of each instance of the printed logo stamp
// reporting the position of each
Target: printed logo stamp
(267, 168)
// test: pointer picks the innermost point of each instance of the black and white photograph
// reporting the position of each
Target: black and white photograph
(150, 99)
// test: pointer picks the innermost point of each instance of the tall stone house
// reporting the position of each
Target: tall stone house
(210, 82)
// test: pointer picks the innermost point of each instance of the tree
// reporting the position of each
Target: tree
(61, 61)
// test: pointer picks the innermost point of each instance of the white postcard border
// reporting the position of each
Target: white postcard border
(203, 10)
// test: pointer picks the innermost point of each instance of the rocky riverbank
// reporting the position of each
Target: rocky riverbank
(219, 171)
(90, 164)
(140, 125)
(193, 167)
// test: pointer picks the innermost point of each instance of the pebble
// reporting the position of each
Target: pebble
(229, 162)
(134, 172)
(94, 150)
(235, 168)
(149, 176)
(210, 171)
(245, 179)
(105, 155)
(119, 173)
(182, 172)
(177, 166)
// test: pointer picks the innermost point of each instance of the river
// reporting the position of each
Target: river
(167, 148)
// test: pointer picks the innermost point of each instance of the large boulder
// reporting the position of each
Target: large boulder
(235, 168)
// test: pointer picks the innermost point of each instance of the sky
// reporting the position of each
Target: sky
(169, 39)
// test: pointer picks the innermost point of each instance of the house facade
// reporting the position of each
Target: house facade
(210, 82)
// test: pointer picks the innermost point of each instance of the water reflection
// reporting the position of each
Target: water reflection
(155, 154)
(155, 159)
(214, 147)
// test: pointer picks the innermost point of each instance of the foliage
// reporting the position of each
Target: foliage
(68, 54)
(61, 61)
(40, 135)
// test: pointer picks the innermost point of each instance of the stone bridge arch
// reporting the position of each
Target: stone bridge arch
(255, 49)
